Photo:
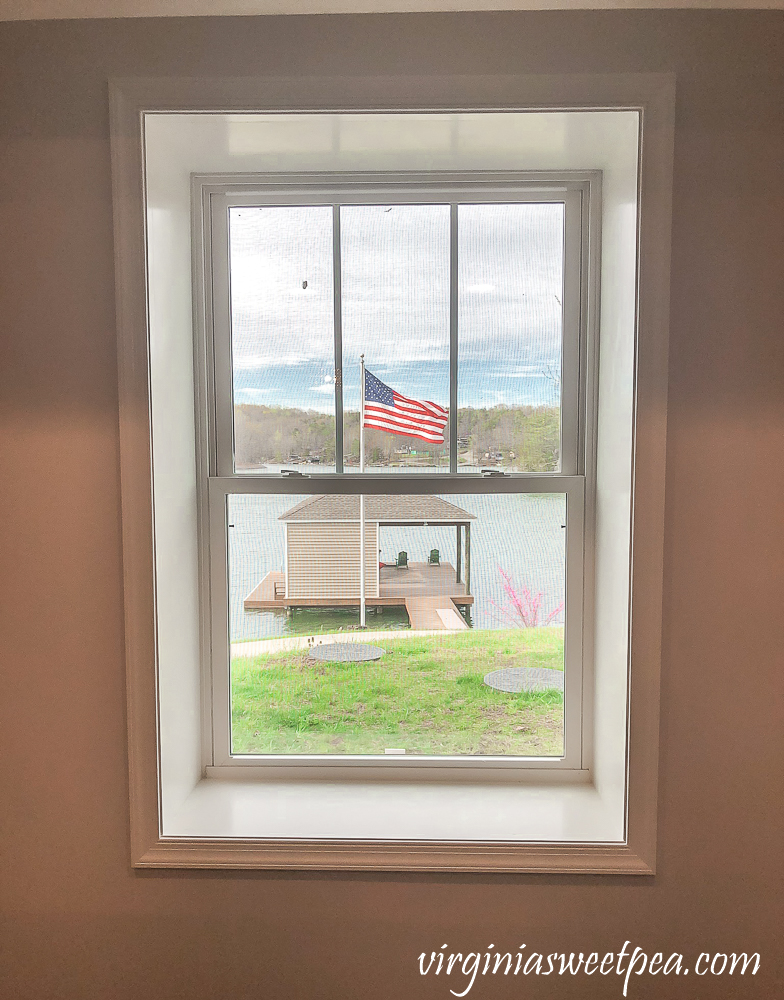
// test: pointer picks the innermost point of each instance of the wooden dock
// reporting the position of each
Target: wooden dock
(430, 594)
(269, 595)
(421, 580)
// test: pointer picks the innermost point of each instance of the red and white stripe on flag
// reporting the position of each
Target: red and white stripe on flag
(394, 413)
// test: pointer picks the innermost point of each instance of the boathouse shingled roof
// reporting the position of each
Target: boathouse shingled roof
(382, 509)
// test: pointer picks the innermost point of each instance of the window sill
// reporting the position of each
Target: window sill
(397, 825)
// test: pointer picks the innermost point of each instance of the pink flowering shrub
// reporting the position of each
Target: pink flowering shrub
(524, 607)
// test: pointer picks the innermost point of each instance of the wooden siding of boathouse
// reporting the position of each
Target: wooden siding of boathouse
(322, 560)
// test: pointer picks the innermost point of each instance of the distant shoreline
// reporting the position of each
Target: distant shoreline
(521, 438)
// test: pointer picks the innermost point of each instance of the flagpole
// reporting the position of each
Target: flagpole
(362, 495)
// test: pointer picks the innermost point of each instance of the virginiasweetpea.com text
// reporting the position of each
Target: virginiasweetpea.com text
(462, 970)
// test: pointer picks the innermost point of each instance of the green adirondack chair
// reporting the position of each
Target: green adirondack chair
(402, 560)
(434, 559)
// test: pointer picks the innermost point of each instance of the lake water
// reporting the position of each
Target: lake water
(521, 535)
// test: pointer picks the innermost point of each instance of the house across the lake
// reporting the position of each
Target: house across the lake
(322, 559)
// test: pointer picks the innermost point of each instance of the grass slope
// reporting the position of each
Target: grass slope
(426, 695)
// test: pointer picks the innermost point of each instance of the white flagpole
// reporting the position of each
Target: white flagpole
(362, 495)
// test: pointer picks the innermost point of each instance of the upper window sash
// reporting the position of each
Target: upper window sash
(214, 201)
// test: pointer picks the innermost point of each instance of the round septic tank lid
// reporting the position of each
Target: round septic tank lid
(517, 679)
(345, 652)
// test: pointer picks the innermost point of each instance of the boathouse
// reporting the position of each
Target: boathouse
(322, 554)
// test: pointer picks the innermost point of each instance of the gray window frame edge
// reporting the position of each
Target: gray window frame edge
(650, 94)
(211, 197)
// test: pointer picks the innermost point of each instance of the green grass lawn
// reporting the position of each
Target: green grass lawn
(426, 695)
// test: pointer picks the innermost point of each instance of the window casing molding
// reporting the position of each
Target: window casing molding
(191, 841)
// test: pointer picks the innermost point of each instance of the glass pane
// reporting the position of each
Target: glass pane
(282, 338)
(510, 266)
(464, 610)
(395, 302)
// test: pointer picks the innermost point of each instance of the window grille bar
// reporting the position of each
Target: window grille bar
(453, 318)
(337, 294)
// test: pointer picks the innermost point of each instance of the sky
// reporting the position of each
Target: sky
(395, 302)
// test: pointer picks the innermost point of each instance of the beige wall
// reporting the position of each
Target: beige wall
(323, 559)
(80, 923)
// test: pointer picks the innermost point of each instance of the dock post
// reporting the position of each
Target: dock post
(459, 558)
(468, 559)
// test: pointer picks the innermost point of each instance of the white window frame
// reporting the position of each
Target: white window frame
(213, 199)
(221, 823)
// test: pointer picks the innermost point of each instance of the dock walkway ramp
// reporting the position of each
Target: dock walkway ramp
(438, 612)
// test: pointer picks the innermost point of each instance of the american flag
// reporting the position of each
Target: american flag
(394, 413)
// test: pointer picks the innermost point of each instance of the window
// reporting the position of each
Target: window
(212, 205)
(462, 292)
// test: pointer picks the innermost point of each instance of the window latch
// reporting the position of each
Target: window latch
(492, 472)
(294, 472)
